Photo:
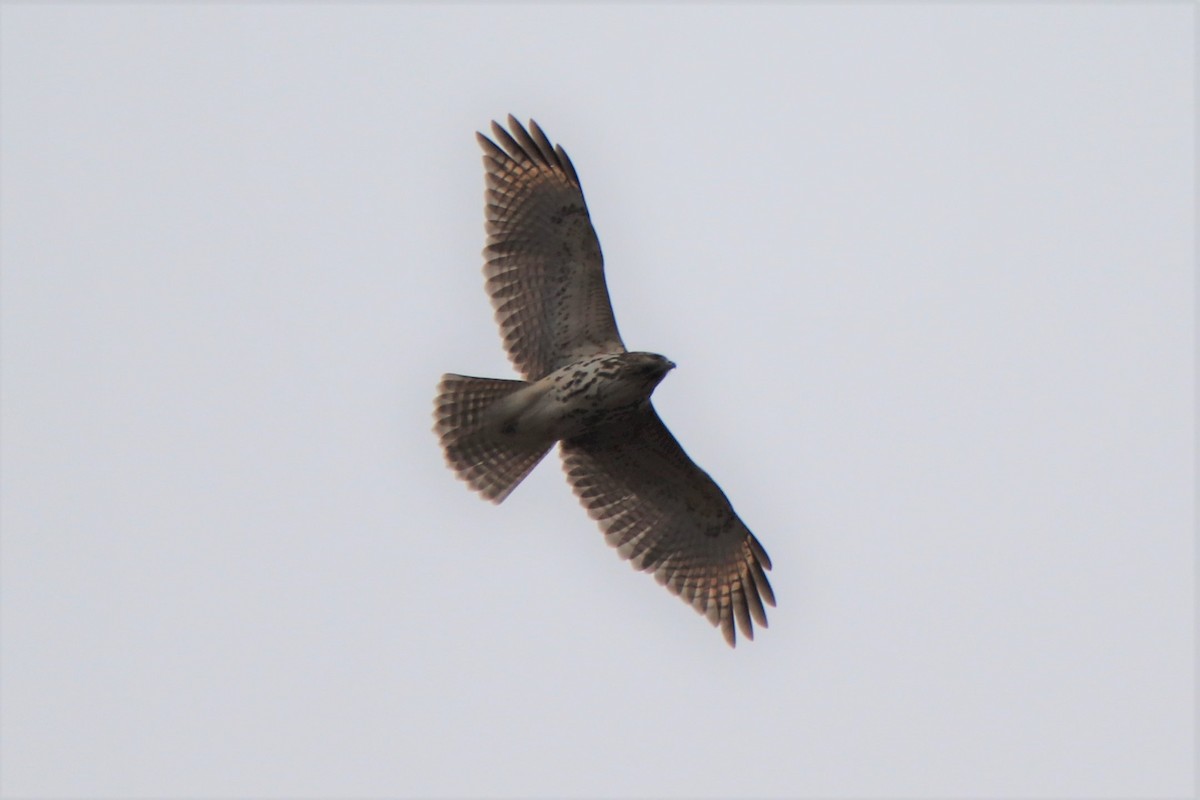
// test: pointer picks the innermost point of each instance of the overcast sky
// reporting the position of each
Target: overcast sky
(928, 274)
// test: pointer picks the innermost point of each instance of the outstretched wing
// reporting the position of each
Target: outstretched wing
(666, 516)
(545, 274)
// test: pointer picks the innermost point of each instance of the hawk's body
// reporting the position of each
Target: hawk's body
(545, 277)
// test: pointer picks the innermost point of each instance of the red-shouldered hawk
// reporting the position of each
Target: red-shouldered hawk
(584, 390)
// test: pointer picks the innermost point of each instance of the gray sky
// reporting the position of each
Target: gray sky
(928, 275)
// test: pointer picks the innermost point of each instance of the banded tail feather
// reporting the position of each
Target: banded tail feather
(479, 451)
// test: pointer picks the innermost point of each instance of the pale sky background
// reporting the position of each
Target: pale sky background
(928, 274)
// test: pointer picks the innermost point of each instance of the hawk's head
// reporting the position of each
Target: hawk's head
(648, 367)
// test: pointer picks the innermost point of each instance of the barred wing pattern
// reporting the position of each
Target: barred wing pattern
(667, 516)
(545, 273)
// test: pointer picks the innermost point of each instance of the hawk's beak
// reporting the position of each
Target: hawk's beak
(670, 365)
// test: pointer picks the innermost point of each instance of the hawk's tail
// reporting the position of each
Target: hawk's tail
(482, 454)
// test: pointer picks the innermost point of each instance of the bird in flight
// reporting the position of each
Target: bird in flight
(584, 390)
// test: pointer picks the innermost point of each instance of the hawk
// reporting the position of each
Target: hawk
(582, 389)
